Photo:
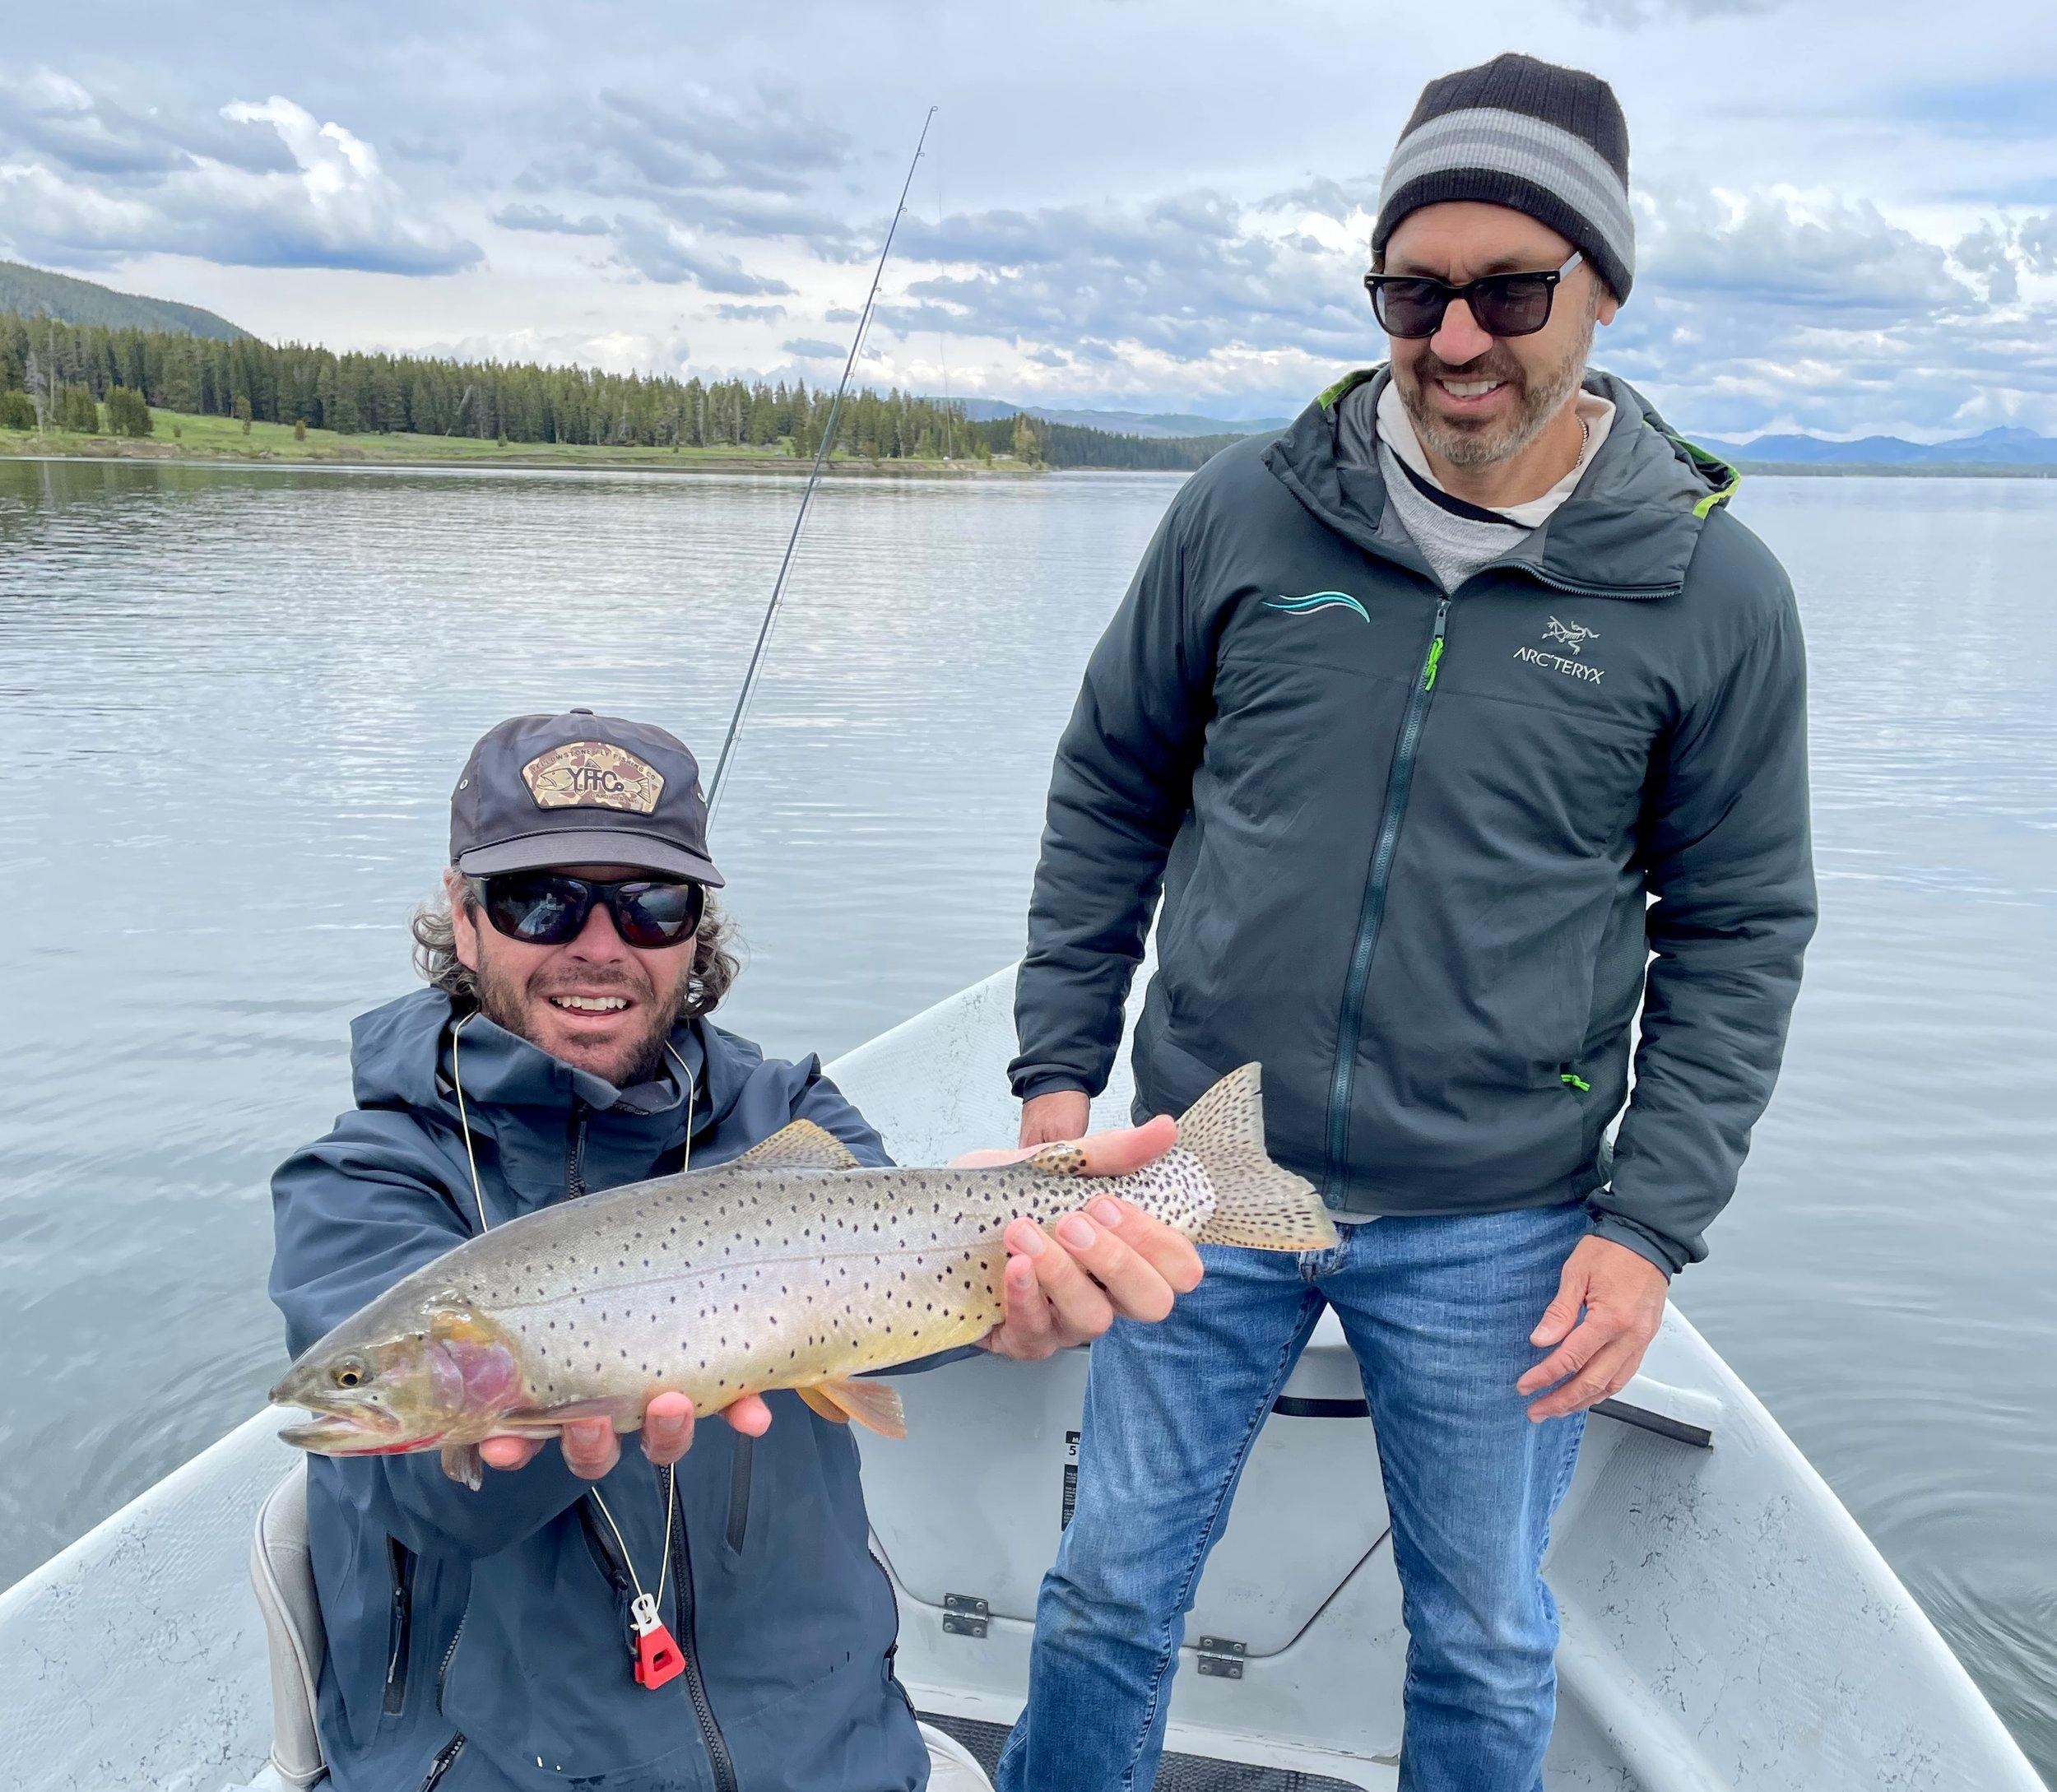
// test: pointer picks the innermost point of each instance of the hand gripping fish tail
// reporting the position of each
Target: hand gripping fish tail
(1255, 1203)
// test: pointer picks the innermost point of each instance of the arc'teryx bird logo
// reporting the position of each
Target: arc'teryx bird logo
(1318, 599)
(1573, 634)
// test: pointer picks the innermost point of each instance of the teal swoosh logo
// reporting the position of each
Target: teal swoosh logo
(1317, 600)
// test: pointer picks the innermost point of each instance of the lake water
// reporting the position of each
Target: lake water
(232, 705)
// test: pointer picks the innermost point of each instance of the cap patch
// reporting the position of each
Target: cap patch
(592, 774)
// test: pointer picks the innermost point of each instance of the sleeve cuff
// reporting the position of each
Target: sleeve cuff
(1048, 1083)
(1647, 1246)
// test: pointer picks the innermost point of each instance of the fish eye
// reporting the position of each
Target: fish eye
(348, 1375)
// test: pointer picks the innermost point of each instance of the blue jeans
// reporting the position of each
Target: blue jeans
(1438, 1312)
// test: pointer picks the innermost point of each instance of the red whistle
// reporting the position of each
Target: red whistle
(659, 1659)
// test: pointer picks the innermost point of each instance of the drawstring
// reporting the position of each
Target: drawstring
(646, 1606)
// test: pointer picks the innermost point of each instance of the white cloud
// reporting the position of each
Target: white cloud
(87, 185)
(671, 257)
(1882, 252)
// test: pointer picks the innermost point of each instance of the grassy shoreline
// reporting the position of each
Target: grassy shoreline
(205, 440)
(224, 440)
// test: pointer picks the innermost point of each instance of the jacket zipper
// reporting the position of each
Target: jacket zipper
(455, 1746)
(1629, 593)
(1397, 783)
(717, 1753)
(449, 1655)
(440, 1766)
(575, 1150)
(893, 1648)
(400, 1626)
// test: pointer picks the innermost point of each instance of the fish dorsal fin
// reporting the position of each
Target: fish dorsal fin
(872, 1403)
(800, 1146)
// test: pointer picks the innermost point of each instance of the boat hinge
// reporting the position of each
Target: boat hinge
(964, 1616)
(1221, 1657)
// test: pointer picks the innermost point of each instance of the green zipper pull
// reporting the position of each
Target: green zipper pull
(1434, 658)
(1578, 1083)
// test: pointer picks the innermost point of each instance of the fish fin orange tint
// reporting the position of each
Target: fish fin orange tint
(1058, 1159)
(462, 1462)
(823, 1405)
(800, 1146)
(874, 1404)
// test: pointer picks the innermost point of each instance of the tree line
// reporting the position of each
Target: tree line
(1071, 444)
(55, 375)
(356, 394)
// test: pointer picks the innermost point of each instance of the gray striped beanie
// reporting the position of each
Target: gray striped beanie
(1515, 132)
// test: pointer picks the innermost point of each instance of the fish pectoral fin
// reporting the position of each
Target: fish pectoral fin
(823, 1405)
(462, 1462)
(800, 1146)
(873, 1404)
(547, 1421)
(1061, 1158)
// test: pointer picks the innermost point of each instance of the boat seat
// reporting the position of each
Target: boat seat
(282, 1577)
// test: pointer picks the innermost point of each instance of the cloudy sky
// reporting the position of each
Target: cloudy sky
(1847, 209)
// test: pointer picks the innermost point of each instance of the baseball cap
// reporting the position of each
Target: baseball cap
(580, 789)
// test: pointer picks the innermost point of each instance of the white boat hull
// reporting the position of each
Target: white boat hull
(1726, 1624)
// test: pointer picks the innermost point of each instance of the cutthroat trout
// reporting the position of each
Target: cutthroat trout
(790, 1266)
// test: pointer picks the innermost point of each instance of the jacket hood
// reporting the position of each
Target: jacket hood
(1630, 529)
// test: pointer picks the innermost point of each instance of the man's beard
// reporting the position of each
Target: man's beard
(1538, 398)
(505, 1003)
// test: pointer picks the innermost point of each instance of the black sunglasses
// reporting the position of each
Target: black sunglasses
(1411, 305)
(549, 908)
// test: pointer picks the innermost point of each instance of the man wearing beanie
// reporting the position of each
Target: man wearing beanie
(1456, 725)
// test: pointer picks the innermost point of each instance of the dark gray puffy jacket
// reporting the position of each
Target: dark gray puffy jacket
(478, 1642)
(1406, 841)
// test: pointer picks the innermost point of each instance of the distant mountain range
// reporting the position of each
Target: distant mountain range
(34, 292)
(1994, 448)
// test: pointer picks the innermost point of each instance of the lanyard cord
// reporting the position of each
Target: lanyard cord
(478, 1199)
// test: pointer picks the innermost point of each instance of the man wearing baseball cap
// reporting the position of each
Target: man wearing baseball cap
(1455, 724)
(478, 1636)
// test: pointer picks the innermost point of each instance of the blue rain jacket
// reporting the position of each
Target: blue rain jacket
(477, 1641)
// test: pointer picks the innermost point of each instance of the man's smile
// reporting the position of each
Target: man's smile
(1468, 397)
(590, 1004)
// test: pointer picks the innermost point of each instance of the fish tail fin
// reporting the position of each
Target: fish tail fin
(1255, 1203)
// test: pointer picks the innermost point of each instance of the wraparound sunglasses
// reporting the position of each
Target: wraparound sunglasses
(550, 907)
(1411, 306)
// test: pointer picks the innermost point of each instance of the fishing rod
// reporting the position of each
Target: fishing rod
(806, 496)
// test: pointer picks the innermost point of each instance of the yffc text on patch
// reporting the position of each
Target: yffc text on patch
(592, 774)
